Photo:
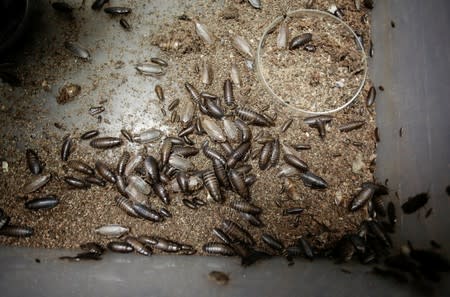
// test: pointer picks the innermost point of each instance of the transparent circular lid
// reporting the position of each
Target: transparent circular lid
(316, 73)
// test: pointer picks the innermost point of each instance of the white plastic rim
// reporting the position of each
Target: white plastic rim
(311, 12)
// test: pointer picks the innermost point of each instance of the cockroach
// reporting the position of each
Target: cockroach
(379, 233)
(212, 154)
(310, 48)
(113, 230)
(95, 180)
(183, 181)
(361, 198)
(89, 134)
(244, 206)
(255, 3)
(95, 110)
(220, 173)
(238, 184)
(187, 131)
(318, 122)
(105, 172)
(300, 40)
(81, 167)
(371, 50)
(4, 220)
(134, 162)
(272, 242)
(222, 236)
(185, 151)
(378, 205)
(149, 135)
(252, 117)
(159, 92)
(313, 181)
(36, 183)
(165, 151)
(307, 249)
(75, 182)
(82, 256)
(66, 148)
(235, 231)
(117, 10)
(206, 73)
(195, 95)
(123, 161)
(353, 125)
(219, 277)
(139, 184)
(33, 162)
(146, 212)
(150, 69)
(78, 51)
(218, 248)
(415, 203)
(246, 132)
(180, 163)
(293, 211)
(16, 231)
(213, 109)
(46, 202)
(275, 156)
(161, 192)
(138, 246)
(124, 23)
(283, 35)
(265, 155)
(127, 134)
(301, 146)
(252, 219)
(213, 129)
(296, 162)
(235, 76)
(188, 203)
(120, 247)
(164, 212)
(238, 154)
(126, 205)
(98, 4)
(242, 46)
(105, 142)
(392, 24)
(159, 61)
(212, 185)
(204, 33)
(173, 104)
(250, 179)
(92, 247)
(160, 243)
(228, 93)
(199, 202)
(286, 125)
(231, 130)
(371, 96)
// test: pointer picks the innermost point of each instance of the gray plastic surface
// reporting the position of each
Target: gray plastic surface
(412, 62)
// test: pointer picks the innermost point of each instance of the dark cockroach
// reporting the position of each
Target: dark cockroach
(301, 146)
(212, 154)
(161, 192)
(105, 142)
(246, 132)
(219, 277)
(189, 203)
(120, 247)
(238, 154)
(294, 251)
(174, 117)
(313, 181)
(199, 202)
(185, 151)
(214, 109)
(296, 162)
(46, 202)
(165, 212)
(272, 242)
(212, 185)
(293, 211)
(358, 243)
(68, 92)
(146, 212)
(127, 134)
(392, 24)
(116, 10)
(253, 117)
(275, 156)
(310, 48)
(378, 204)
(66, 148)
(92, 247)
(265, 154)
(228, 93)
(361, 198)
(353, 125)
(165, 151)
(159, 92)
(16, 231)
(376, 229)
(173, 104)
(391, 213)
(105, 172)
(81, 167)
(207, 95)
(221, 174)
(318, 122)
(252, 219)
(308, 251)
(371, 96)
(226, 146)
(414, 203)
(218, 248)
(82, 257)
(4, 220)
(160, 243)
(62, 7)
(75, 182)
(183, 181)
(33, 162)
(138, 246)
(95, 110)
(195, 95)
(124, 23)
(368, 4)
(126, 205)
(244, 206)
(300, 40)
(250, 179)
(286, 125)
(371, 50)
(221, 235)
(187, 130)
(89, 134)
(98, 4)
(159, 61)
(235, 231)
(36, 183)
(123, 161)
(238, 184)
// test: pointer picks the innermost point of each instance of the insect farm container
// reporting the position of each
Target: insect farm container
(68, 68)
